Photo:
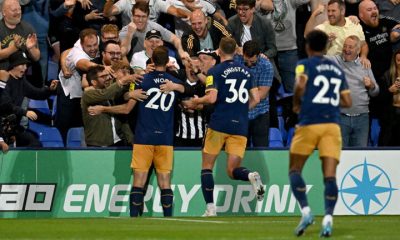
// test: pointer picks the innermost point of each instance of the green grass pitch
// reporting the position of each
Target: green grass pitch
(345, 227)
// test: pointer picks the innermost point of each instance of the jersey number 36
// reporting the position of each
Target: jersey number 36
(242, 93)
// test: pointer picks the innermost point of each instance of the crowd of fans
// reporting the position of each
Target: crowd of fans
(104, 47)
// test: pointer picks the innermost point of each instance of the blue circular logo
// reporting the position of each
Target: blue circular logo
(366, 189)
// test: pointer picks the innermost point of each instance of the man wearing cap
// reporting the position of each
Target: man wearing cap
(133, 35)
(208, 58)
(152, 40)
(16, 35)
(16, 89)
(205, 33)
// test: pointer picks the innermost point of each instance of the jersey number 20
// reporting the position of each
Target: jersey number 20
(162, 96)
(321, 97)
(242, 93)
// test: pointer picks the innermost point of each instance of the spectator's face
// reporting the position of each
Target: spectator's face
(195, 64)
(90, 45)
(121, 73)
(19, 71)
(103, 80)
(250, 61)
(206, 62)
(153, 43)
(111, 54)
(350, 50)
(368, 13)
(335, 14)
(140, 19)
(12, 12)
(245, 13)
(107, 36)
(199, 24)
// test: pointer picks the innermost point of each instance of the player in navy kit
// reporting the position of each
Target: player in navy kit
(229, 86)
(154, 134)
(320, 90)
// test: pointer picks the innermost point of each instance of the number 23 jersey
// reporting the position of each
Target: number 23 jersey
(155, 122)
(321, 99)
(232, 81)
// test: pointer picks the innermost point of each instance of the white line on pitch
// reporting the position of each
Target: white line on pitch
(185, 220)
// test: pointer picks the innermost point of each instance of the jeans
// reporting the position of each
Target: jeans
(287, 61)
(354, 130)
(258, 135)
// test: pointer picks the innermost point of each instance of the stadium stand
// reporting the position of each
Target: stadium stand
(48, 136)
(275, 138)
(75, 137)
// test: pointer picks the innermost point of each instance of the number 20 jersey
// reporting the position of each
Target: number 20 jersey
(232, 81)
(155, 122)
(321, 99)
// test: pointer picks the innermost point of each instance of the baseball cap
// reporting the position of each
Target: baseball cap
(153, 34)
(17, 58)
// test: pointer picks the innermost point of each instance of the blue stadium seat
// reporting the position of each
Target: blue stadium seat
(281, 123)
(374, 132)
(40, 105)
(275, 138)
(52, 72)
(290, 134)
(75, 137)
(48, 136)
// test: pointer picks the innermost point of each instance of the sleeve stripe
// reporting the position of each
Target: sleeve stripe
(220, 27)
(2, 84)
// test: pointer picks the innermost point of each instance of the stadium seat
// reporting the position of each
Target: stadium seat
(290, 134)
(374, 132)
(75, 137)
(48, 136)
(282, 128)
(275, 138)
(52, 72)
(40, 105)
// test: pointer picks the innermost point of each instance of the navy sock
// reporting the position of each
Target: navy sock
(207, 185)
(241, 173)
(330, 194)
(135, 201)
(299, 188)
(167, 197)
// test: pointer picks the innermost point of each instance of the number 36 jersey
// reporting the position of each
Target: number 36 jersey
(325, 82)
(232, 81)
(155, 121)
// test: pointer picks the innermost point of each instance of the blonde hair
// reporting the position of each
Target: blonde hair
(109, 28)
(393, 67)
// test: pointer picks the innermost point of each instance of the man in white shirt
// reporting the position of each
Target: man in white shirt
(152, 41)
(77, 61)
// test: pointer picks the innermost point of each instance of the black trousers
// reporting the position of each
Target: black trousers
(258, 135)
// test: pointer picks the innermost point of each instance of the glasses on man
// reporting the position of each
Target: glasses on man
(105, 76)
(114, 54)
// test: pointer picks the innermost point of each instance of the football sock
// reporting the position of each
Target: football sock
(167, 197)
(241, 173)
(298, 188)
(207, 185)
(135, 201)
(331, 193)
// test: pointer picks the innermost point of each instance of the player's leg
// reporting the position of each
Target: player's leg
(303, 144)
(163, 159)
(141, 162)
(330, 147)
(212, 146)
(235, 146)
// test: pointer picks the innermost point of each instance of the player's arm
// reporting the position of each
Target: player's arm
(209, 98)
(299, 89)
(178, 12)
(345, 99)
(169, 86)
(254, 97)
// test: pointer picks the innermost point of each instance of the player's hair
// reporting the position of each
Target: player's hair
(317, 40)
(250, 3)
(109, 28)
(251, 48)
(87, 32)
(227, 45)
(92, 73)
(160, 56)
(339, 2)
(142, 6)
